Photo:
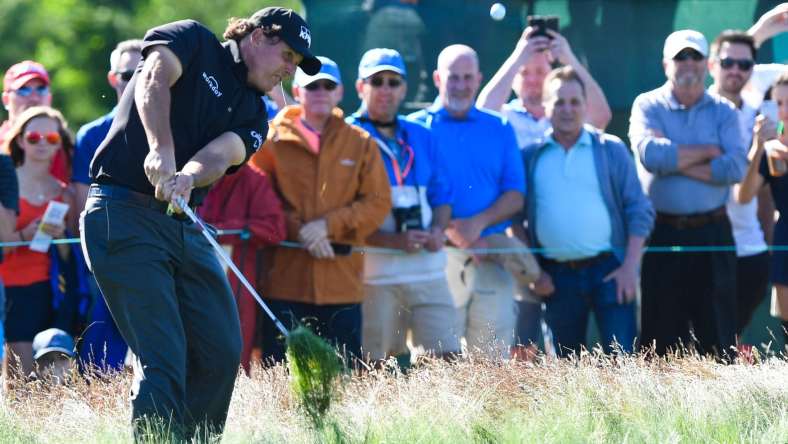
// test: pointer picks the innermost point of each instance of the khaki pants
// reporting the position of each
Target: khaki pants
(483, 294)
(422, 311)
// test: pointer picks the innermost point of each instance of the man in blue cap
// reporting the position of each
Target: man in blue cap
(405, 293)
(53, 352)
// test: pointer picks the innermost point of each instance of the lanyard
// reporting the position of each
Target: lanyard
(399, 174)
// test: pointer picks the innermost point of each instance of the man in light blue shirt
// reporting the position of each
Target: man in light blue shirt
(485, 171)
(690, 146)
(587, 210)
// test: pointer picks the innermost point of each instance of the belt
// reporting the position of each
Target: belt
(692, 220)
(579, 264)
(124, 194)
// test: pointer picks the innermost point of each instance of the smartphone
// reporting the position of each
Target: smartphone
(769, 110)
(541, 23)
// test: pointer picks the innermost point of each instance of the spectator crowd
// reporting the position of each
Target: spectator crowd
(478, 224)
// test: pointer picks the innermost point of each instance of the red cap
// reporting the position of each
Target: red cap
(23, 72)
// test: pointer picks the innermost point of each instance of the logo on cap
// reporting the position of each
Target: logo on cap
(306, 36)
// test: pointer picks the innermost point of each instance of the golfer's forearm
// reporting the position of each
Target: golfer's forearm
(211, 162)
(159, 72)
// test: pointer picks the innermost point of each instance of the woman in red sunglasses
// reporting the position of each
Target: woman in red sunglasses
(37, 135)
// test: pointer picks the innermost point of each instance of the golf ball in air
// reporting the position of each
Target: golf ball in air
(497, 11)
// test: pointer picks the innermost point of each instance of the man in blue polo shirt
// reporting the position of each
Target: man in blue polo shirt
(192, 113)
(582, 174)
(486, 173)
(102, 344)
(405, 293)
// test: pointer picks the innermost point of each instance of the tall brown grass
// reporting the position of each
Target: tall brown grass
(590, 399)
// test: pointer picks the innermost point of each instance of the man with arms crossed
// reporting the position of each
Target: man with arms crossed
(691, 150)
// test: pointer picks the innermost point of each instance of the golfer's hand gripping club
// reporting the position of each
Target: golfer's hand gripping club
(220, 251)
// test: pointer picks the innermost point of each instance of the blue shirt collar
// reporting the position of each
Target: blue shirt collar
(583, 140)
(438, 110)
(674, 104)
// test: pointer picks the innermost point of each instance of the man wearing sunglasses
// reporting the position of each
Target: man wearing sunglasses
(405, 293)
(731, 63)
(691, 151)
(334, 191)
(26, 84)
(192, 114)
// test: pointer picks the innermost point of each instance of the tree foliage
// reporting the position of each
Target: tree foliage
(73, 39)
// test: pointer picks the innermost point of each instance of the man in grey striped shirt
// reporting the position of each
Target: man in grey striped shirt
(691, 151)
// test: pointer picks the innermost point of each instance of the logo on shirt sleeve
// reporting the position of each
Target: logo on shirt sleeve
(258, 139)
(213, 85)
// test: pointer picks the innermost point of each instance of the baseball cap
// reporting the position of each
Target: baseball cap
(328, 70)
(291, 28)
(23, 72)
(381, 59)
(52, 340)
(686, 38)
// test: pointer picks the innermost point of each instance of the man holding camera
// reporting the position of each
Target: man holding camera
(524, 72)
(405, 292)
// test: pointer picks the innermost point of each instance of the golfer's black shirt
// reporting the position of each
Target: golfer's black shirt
(210, 98)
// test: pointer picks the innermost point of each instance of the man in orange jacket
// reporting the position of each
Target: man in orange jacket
(335, 193)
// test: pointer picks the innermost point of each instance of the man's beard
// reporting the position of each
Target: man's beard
(687, 79)
(458, 105)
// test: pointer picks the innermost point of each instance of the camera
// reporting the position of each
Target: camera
(541, 23)
(407, 218)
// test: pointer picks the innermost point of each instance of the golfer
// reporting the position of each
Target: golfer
(191, 113)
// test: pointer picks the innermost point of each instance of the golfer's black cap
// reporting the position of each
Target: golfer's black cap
(291, 28)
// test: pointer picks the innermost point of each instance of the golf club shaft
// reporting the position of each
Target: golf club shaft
(220, 251)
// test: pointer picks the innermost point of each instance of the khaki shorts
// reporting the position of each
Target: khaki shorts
(418, 318)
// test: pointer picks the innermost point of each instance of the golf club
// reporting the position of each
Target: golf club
(220, 251)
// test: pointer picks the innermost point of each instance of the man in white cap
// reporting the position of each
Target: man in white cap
(691, 151)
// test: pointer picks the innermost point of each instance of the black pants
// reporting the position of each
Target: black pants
(689, 298)
(173, 305)
(752, 285)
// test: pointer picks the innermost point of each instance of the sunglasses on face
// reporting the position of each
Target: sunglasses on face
(125, 75)
(34, 137)
(687, 54)
(744, 64)
(321, 84)
(26, 91)
(377, 82)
